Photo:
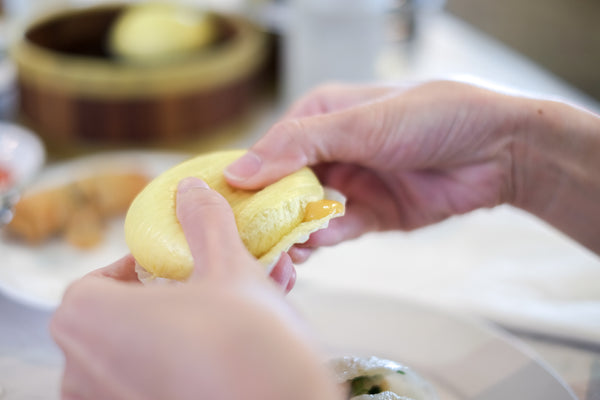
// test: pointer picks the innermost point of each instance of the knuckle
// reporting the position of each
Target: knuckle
(212, 202)
(74, 296)
(292, 138)
(75, 291)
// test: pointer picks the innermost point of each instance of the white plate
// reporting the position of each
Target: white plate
(38, 275)
(463, 358)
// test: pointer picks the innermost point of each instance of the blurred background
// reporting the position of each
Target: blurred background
(63, 74)
(561, 35)
(89, 77)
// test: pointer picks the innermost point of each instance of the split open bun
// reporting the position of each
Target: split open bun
(269, 220)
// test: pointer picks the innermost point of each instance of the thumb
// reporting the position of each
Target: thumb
(209, 226)
(353, 135)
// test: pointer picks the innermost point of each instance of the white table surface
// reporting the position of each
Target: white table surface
(445, 48)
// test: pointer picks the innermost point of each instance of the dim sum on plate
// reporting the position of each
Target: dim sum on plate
(373, 378)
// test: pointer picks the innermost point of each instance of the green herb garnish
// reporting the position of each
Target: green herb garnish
(368, 385)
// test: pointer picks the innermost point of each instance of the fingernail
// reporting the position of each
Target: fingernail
(244, 167)
(186, 184)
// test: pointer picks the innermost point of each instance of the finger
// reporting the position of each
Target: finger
(300, 254)
(358, 220)
(291, 282)
(295, 143)
(336, 97)
(121, 270)
(283, 271)
(355, 223)
(323, 126)
(209, 226)
(79, 328)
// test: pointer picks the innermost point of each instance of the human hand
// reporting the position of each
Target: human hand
(226, 333)
(405, 157)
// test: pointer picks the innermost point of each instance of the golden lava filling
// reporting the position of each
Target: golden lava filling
(321, 209)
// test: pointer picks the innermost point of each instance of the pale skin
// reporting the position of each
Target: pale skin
(405, 157)
(226, 333)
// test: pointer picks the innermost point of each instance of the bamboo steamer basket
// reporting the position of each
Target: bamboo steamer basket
(73, 94)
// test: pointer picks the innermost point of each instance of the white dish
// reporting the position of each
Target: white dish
(38, 275)
(462, 358)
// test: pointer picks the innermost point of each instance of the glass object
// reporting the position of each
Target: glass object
(21, 157)
(332, 40)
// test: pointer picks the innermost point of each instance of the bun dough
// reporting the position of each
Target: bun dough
(269, 221)
(151, 32)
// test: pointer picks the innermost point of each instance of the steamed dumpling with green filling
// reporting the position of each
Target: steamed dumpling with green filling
(374, 378)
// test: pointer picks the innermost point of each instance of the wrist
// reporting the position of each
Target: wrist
(537, 154)
(555, 166)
